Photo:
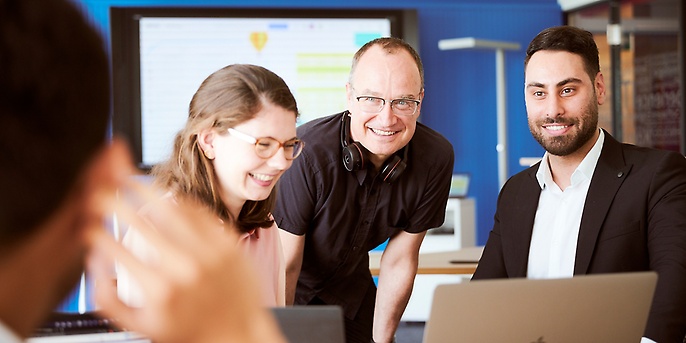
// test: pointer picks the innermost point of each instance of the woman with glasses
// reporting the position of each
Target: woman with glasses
(239, 139)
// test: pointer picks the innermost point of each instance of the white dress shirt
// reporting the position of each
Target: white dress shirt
(556, 227)
(552, 252)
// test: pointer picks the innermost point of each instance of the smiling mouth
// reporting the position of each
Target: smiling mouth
(556, 127)
(262, 177)
(382, 132)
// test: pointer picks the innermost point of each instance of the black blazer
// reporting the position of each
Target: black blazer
(634, 219)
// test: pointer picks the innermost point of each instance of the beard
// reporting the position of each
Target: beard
(573, 141)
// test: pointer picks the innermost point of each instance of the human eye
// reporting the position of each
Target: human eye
(369, 99)
(567, 91)
(290, 144)
(405, 106)
(265, 143)
(538, 94)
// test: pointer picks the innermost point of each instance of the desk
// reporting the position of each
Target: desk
(438, 262)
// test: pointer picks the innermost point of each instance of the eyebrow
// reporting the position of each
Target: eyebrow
(408, 97)
(559, 84)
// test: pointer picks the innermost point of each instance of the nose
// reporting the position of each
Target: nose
(279, 161)
(554, 107)
(385, 116)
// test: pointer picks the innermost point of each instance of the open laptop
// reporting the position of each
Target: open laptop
(311, 324)
(593, 308)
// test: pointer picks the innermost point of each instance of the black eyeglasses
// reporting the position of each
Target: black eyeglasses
(372, 104)
(266, 147)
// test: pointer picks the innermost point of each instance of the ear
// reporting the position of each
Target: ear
(599, 84)
(205, 141)
(421, 98)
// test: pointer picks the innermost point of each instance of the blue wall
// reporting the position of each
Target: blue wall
(460, 84)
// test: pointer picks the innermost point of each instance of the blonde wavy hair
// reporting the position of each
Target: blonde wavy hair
(228, 97)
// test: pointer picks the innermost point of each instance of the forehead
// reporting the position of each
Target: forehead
(271, 121)
(550, 67)
(379, 71)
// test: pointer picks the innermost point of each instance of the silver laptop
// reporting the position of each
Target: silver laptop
(594, 308)
(311, 324)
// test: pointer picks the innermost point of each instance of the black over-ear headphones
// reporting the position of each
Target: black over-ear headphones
(354, 155)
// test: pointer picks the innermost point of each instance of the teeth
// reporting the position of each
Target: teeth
(262, 177)
(556, 127)
(382, 133)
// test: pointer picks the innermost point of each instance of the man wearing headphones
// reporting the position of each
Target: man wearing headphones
(368, 174)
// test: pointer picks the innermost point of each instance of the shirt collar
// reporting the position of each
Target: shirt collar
(543, 172)
(583, 171)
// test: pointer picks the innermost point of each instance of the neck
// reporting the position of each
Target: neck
(234, 212)
(233, 206)
(377, 161)
(562, 167)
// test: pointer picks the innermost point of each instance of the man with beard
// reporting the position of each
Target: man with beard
(592, 205)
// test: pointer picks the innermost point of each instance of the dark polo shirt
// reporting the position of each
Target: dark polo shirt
(344, 215)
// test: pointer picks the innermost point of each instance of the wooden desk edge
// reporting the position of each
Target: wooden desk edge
(429, 265)
(459, 269)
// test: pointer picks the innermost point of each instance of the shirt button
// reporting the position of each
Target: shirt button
(355, 248)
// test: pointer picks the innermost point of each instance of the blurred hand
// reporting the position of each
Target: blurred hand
(200, 289)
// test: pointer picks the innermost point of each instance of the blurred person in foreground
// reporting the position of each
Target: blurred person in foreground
(59, 178)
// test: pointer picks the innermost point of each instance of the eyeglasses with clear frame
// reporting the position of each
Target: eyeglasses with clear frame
(373, 104)
(266, 147)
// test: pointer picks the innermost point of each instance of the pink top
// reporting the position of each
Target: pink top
(261, 246)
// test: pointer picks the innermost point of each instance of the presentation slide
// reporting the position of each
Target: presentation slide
(313, 56)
